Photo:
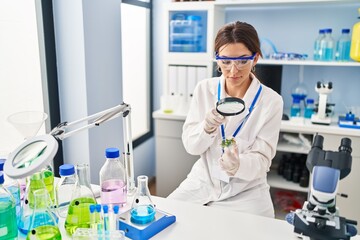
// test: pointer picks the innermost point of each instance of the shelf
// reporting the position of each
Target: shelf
(287, 147)
(235, 3)
(308, 63)
(277, 181)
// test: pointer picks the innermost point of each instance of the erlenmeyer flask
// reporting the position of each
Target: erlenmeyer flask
(43, 220)
(142, 209)
(78, 213)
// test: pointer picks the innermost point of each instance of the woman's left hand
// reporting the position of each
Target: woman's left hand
(230, 160)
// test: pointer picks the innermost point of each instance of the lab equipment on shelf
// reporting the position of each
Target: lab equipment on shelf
(328, 46)
(309, 109)
(113, 179)
(12, 186)
(67, 185)
(349, 121)
(7, 212)
(343, 46)
(295, 110)
(142, 209)
(43, 220)
(355, 41)
(317, 45)
(78, 215)
(323, 110)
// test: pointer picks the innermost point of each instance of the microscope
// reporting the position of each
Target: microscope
(323, 111)
(319, 218)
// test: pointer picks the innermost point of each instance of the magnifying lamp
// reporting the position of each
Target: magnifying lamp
(230, 106)
(36, 152)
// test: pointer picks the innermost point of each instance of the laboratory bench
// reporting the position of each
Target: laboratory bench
(173, 163)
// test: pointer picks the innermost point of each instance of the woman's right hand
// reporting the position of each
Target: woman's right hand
(213, 120)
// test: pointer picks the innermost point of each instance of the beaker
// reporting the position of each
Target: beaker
(43, 221)
(142, 209)
(82, 197)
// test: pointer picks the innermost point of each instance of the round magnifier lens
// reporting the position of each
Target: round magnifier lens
(230, 106)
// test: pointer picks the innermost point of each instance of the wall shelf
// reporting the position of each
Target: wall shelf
(277, 181)
(308, 63)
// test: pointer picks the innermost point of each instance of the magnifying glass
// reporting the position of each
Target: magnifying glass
(31, 156)
(230, 106)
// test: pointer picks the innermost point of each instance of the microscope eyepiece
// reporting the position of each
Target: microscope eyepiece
(330, 85)
(345, 145)
(318, 85)
(318, 141)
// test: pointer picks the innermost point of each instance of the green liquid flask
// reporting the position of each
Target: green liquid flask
(8, 229)
(82, 197)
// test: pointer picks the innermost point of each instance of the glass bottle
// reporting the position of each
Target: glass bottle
(343, 46)
(295, 110)
(113, 179)
(65, 185)
(317, 48)
(82, 197)
(309, 109)
(142, 209)
(327, 46)
(7, 213)
(12, 186)
(44, 221)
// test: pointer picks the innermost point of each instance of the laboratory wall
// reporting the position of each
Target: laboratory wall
(21, 86)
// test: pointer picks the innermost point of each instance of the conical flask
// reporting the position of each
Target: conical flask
(43, 224)
(142, 209)
(34, 183)
(82, 197)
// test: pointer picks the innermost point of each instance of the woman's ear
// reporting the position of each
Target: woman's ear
(257, 56)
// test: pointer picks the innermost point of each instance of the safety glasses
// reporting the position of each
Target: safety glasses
(226, 63)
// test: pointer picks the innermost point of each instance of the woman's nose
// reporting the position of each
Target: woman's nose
(233, 68)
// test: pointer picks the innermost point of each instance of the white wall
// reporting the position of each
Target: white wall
(20, 73)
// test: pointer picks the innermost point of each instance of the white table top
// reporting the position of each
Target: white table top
(200, 222)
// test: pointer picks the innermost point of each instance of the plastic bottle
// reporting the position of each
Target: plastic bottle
(142, 209)
(343, 46)
(309, 109)
(44, 221)
(12, 186)
(295, 110)
(113, 179)
(65, 185)
(317, 49)
(7, 213)
(355, 41)
(327, 46)
(82, 197)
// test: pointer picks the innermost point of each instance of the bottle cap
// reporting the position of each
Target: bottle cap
(345, 30)
(98, 208)
(2, 162)
(322, 31)
(309, 100)
(1, 177)
(116, 209)
(92, 208)
(66, 170)
(112, 153)
(105, 208)
(296, 100)
(193, 18)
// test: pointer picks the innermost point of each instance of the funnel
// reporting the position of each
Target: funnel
(27, 123)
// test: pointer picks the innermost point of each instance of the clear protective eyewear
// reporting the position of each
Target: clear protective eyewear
(226, 63)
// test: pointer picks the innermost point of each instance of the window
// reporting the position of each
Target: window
(136, 66)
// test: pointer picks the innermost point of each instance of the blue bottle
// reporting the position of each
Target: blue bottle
(317, 46)
(295, 110)
(327, 46)
(309, 109)
(343, 46)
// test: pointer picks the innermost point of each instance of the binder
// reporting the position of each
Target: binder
(201, 73)
(172, 80)
(191, 81)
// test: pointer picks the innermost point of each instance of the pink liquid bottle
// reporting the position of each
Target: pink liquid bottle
(113, 179)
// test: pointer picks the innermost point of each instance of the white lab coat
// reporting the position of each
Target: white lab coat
(248, 190)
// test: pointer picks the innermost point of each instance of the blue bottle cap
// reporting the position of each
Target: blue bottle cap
(116, 209)
(66, 170)
(2, 162)
(322, 31)
(296, 100)
(1, 177)
(193, 18)
(98, 208)
(105, 208)
(345, 30)
(309, 100)
(112, 153)
(92, 208)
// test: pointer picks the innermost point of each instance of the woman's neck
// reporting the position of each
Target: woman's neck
(237, 90)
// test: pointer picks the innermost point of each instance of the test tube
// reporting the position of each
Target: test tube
(99, 224)
(92, 217)
(106, 218)
(116, 209)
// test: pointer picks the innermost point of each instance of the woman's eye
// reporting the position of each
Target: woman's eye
(243, 62)
(226, 62)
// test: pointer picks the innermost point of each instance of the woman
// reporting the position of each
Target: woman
(233, 177)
